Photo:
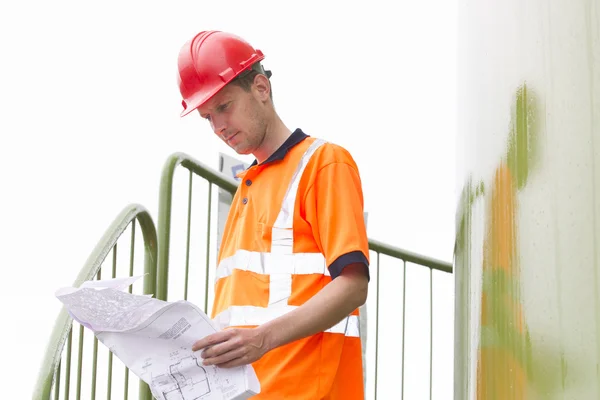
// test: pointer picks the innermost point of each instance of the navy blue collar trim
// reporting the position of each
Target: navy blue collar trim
(296, 137)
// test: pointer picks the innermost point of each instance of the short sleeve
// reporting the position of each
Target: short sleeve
(334, 209)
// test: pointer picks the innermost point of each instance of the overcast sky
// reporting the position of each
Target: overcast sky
(90, 112)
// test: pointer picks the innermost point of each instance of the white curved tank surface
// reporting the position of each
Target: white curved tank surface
(528, 222)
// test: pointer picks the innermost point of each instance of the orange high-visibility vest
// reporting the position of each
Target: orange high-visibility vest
(295, 221)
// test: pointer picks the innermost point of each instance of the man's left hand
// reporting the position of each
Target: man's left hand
(232, 347)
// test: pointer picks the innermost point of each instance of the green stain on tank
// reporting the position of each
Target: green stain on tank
(523, 136)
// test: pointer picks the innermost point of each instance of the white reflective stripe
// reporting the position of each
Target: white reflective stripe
(282, 241)
(349, 326)
(285, 219)
(273, 263)
(280, 288)
(249, 315)
(253, 316)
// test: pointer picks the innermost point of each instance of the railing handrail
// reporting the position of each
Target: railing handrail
(409, 256)
(225, 182)
(90, 269)
(164, 207)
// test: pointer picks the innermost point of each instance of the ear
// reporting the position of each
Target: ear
(262, 87)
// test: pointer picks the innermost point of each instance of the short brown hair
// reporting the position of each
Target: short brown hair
(246, 78)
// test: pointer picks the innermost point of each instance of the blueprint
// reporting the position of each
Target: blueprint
(154, 340)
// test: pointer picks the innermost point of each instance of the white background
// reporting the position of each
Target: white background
(90, 111)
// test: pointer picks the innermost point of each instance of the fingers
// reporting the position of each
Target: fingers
(236, 362)
(221, 348)
(212, 340)
(227, 359)
(229, 348)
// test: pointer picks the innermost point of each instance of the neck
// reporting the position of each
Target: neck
(276, 134)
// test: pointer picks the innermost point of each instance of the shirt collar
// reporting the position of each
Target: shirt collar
(296, 137)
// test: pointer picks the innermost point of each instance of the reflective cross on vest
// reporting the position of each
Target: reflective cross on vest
(280, 264)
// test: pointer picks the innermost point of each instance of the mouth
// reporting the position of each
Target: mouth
(231, 137)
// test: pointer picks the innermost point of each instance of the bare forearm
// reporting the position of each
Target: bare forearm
(328, 307)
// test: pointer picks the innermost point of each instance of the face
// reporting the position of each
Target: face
(238, 117)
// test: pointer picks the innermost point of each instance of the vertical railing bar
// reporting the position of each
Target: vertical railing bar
(114, 261)
(68, 366)
(403, 322)
(207, 247)
(377, 326)
(79, 362)
(95, 355)
(57, 381)
(131, 265)
(110, 354)
(126, 388)
(109, 383)
(132, 251)
(187, 245)
(430, 333)
(94, 368)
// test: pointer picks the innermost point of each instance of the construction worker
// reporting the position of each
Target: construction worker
(293, 264)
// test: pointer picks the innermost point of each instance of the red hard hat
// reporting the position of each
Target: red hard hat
(208, 62)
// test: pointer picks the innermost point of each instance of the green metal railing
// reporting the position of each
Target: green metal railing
(55, 377)
(165, 217)
(214, 178)
(405, 257)
(55, 380)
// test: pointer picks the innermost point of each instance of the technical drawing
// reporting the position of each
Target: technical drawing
(178, 384)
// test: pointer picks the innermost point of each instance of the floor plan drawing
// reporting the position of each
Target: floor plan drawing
(186, 380)
(154, 339)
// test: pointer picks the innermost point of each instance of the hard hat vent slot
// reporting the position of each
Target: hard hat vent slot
(227, 75)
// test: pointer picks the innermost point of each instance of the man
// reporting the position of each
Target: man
(293, 263)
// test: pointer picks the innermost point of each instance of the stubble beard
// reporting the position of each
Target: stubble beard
(257, 133)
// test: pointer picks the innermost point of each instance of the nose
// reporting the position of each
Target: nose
(218, 124)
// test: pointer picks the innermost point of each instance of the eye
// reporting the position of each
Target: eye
(204, 116)
(223, 107)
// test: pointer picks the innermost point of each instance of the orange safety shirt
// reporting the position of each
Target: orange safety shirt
(295, 221)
